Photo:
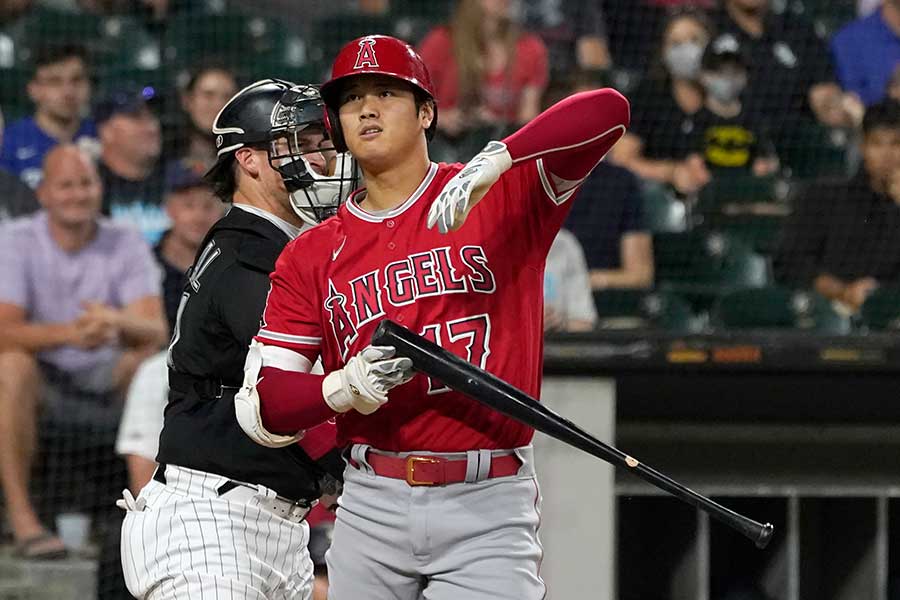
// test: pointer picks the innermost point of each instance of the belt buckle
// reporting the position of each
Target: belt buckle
(411, 462)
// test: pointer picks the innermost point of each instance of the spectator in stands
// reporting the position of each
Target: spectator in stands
(487, 73)
(79, 308)
(574, 32)
(731, 139)
(192, 209)
(844, 237)
(10, 10)
(791, 74)
(60, 89)
(893, 90)
(867, 51)
(657, 146)
(142, 420)
(18, 199)
(130, 168)
(209, 87)
(608, 222)
(568, 303)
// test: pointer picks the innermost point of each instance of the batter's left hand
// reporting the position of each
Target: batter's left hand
(468, 187)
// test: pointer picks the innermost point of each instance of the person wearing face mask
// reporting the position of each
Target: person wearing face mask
(656, 148)
(730, 139)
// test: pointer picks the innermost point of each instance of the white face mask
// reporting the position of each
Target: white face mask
(327, 192)
(683, 59)
(724, 88)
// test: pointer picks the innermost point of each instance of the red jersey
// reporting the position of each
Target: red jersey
(477, 291)
(501, 90)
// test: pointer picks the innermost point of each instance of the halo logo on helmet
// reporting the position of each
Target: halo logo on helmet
(395, 58)
(366, 56)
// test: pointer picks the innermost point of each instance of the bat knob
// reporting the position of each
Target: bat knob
(765, 536)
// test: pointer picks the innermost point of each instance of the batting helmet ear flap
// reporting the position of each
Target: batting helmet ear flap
(333, 125)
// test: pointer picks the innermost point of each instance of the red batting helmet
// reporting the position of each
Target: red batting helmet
(379, 55)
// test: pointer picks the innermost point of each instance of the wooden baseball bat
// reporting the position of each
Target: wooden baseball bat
(463, 376)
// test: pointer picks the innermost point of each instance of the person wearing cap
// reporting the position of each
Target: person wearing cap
(192, 209)
(130, 165)
(440, 497)
(222, 516)
(727, 136)
(61, 90)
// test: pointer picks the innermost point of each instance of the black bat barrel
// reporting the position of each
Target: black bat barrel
(463, 376)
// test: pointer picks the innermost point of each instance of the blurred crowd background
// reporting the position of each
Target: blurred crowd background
(758, 186)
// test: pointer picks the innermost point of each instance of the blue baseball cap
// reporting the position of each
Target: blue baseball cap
(125, 100)
(181, 175)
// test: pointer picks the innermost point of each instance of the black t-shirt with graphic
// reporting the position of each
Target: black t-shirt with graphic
(136, 202)
(730, 144)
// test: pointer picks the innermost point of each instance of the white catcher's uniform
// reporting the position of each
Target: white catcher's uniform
(200, 535)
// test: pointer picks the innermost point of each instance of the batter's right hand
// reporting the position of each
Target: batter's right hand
(366, 379)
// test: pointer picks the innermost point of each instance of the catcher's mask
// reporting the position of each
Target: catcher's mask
(317, 177)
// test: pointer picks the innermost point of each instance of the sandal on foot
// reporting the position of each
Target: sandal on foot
(43, 546)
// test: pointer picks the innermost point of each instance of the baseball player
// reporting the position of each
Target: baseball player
(223, 516)
(440, 499)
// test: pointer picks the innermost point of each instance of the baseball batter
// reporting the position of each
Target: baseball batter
(440, 498)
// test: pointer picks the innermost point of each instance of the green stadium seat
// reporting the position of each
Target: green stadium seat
(640, 309)
(728, 191)
(810, 150)
(778, 308)
(829, 15)
(248, 43)
(707, 258)
(881, 310)
(663, 212)
(117, 42)
(760, 232)
(14, 99)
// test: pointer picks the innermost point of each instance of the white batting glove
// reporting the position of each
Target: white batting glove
(366, 379)
(468, 187)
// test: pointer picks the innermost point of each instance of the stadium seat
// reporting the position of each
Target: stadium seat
(118, 42)
(760, 232)
(828, 15)
(662, 212)
(777, 308)
(810, 150)
(247, 42)
(13, 98)
(706, 258)
(881, 310)
(639, 309)
(728, 191)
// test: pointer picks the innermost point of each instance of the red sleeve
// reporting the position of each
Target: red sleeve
(571, 137)
(551, 157)
(291, 401)
(290, 319)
